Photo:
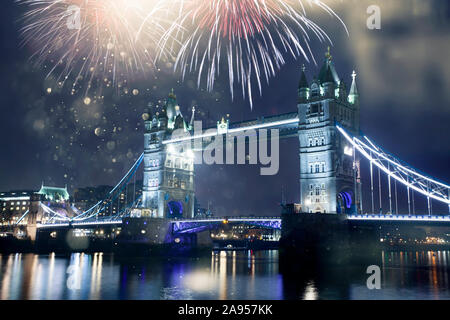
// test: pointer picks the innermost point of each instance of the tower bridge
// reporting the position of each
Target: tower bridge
(331, 149)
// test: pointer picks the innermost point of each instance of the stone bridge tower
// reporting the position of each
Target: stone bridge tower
(329, 170)
(168, 183)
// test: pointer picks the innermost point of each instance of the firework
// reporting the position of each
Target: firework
(253, 35)
(103, 40)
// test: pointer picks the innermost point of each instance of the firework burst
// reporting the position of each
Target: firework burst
(253, 36)
(107, 41)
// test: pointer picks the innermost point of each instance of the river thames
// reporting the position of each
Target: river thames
(221, 275)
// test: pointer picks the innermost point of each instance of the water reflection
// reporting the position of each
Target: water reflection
(222, 275)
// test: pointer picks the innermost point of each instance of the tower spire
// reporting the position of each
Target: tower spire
(353, 95)
(191, 123)
(303, 81)
(328, 54)
(303, 86)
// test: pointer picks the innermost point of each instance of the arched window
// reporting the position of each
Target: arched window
(317, 168)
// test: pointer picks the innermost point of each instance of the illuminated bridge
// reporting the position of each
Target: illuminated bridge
(333, 154)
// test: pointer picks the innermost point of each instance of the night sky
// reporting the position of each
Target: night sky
(403, 80)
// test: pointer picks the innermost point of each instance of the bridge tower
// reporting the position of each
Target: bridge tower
(168, 182)
(34, 216)
(329, 169)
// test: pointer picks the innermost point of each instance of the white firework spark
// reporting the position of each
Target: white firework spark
(253, 35)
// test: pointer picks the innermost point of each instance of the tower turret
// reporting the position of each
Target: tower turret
(179, 122)
(353, 96)
(171, 108)
(303, 87)
(328, 76)
(147, 117)
(328, 84)
(163, 119)
(191, 123)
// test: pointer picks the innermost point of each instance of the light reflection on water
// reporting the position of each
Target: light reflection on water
(223, 275)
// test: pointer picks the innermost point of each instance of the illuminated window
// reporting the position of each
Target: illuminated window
(317, 191)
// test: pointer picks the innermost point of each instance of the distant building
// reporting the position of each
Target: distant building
(15, 204)
(200, 212)
(53, 194)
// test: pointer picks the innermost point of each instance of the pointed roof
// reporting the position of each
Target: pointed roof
(171, 105)
(53, 193)
(328, 78)
(179, 122)
(191, 123)
(303, 81)
(328, 71)
(354, 88)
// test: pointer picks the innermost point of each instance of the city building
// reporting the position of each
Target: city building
(14, 205)
(200, 212)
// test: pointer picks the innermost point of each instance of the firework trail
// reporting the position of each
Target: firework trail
(114, 40)
(118, 39)
(252, 35)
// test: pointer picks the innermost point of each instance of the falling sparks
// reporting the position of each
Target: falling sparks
(253, 35)
(105, 43)
(87, 40)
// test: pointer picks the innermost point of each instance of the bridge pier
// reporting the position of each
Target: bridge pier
(34, 217)
(323, 239)
(156, 236)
